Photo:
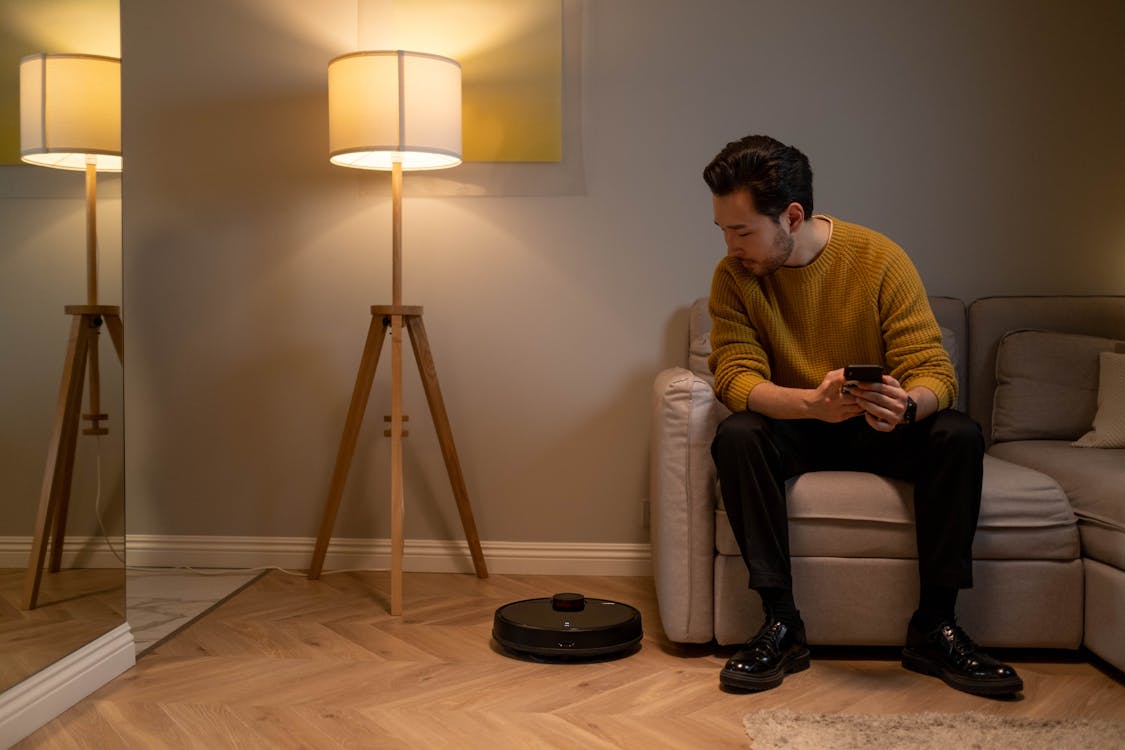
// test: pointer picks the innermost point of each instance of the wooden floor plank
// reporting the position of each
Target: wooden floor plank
(289, 662)
(75, 606)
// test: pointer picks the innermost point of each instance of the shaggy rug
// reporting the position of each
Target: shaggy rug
(785, 730)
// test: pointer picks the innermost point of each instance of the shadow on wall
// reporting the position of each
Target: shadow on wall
(676, 338)
(266, 151)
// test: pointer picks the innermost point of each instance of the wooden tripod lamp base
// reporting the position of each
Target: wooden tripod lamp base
(54, 500)
(382, 318)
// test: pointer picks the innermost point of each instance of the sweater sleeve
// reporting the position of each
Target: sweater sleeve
(914, 354)
(737, 359)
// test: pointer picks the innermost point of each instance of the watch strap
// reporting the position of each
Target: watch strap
(911, 412)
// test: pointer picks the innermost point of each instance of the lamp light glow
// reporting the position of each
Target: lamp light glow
(70, 111)
(389, 107)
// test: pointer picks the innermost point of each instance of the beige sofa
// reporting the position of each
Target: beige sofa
(1050, 548)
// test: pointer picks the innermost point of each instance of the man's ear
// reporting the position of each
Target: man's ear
(793, 216)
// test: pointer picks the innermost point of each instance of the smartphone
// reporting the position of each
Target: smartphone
(863, 373)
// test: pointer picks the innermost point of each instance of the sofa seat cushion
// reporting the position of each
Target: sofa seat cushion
(1024, 516)
(1093, 479)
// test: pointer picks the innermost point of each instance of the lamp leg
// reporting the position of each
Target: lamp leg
(62, 491)
(116, 334)
(376, 332)
(60, 456)
(428, 372)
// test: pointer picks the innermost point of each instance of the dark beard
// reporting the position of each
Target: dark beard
(783, 249)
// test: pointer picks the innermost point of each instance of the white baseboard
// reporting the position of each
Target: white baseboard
(78, 551)
(47, 693)
(421, 555)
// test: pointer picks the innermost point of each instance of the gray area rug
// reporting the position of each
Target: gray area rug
(785, 730)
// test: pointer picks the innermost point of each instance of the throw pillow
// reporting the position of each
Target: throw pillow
(1109, 423)
(1046, 385)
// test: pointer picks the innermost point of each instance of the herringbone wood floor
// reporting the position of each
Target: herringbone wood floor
(293, 663)
(75, 606)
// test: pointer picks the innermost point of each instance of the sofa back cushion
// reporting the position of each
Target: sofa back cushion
(1046, 385)
(990, 318)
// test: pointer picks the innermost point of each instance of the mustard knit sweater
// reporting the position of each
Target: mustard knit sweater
(859, 302)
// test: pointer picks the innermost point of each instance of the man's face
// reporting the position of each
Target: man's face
(759, 243)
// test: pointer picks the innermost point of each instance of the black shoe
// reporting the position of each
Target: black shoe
(777, 650)
(949, 653)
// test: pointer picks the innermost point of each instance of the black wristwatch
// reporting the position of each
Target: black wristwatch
(911, 412)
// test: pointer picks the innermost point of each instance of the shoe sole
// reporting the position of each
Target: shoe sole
(765, 681)
(915, 662)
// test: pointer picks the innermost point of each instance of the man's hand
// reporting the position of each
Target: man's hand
(883, 404)
(831, 403)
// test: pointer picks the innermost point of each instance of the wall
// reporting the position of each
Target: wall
(985, 138)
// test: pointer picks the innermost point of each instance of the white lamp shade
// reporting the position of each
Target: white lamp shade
(70, 111)
(394, 106)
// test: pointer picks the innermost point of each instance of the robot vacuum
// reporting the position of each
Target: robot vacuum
(567, 627)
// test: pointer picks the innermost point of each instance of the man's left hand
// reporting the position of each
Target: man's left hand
(884, 404)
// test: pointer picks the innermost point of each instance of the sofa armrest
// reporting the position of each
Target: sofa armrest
(682, 502)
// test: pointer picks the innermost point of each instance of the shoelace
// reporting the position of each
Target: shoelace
(960, 642)
(769, 638)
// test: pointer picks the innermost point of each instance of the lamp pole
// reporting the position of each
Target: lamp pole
(397, 495)
(95, 414)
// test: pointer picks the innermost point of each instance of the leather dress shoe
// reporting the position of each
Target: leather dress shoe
(777, 650)
(949, 653)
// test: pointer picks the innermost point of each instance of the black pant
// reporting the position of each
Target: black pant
(941, 455)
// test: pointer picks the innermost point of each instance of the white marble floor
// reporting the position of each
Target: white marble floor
(160, 602)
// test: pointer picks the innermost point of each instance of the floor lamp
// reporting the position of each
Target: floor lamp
(70, 118)
(395, 111)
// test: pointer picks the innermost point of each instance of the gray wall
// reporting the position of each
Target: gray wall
(986, 137)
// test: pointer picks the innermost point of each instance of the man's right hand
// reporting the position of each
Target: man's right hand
(826, 402)
(831, 403)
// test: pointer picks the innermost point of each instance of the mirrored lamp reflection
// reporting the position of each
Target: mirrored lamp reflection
(70, 118)
(395, 111)
(70, 111)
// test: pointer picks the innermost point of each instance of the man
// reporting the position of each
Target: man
(796, 299)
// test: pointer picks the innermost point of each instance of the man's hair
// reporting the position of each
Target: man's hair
(774, 174)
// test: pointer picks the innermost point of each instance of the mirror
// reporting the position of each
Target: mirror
(43, 269)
